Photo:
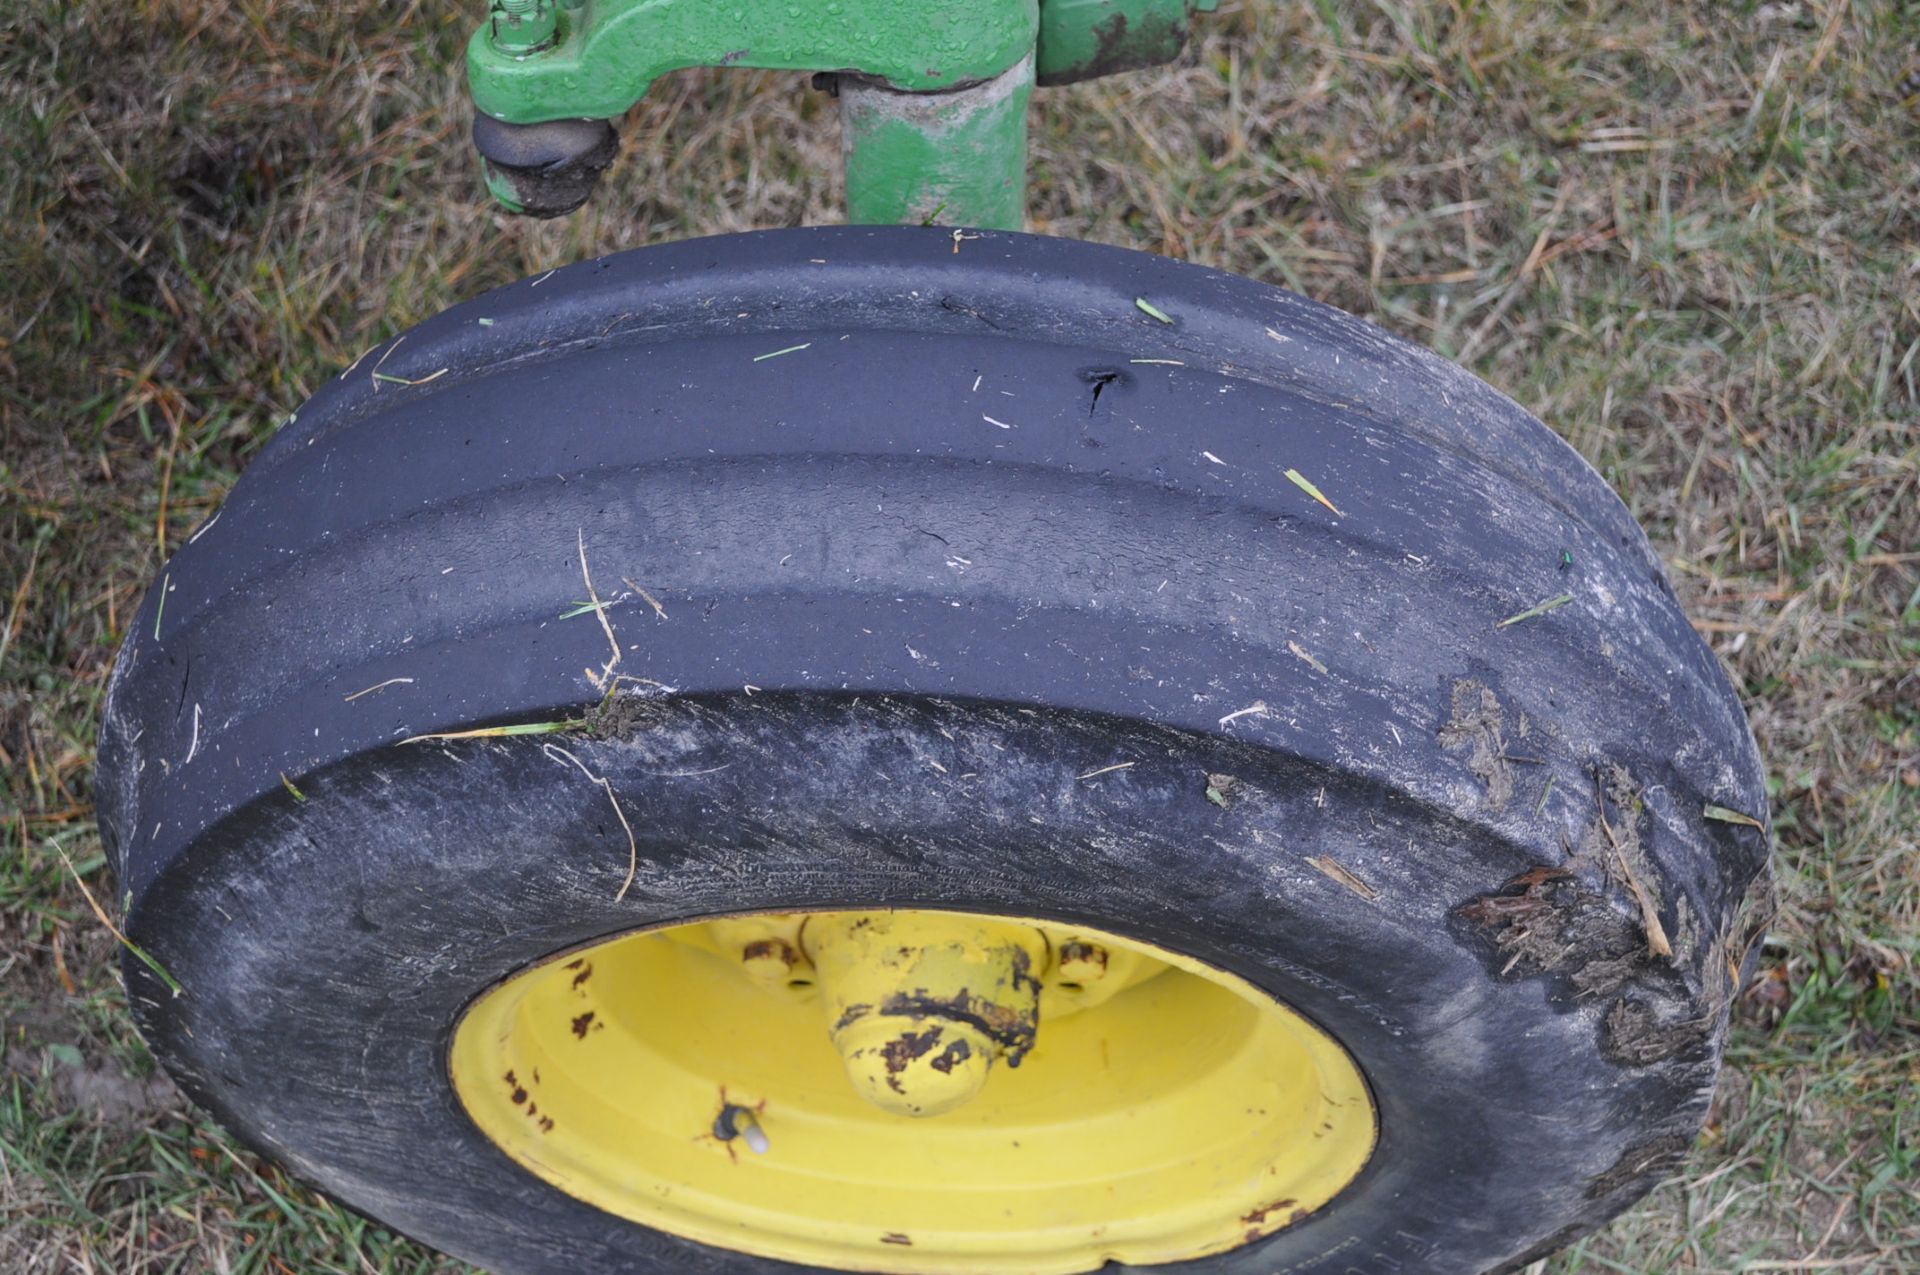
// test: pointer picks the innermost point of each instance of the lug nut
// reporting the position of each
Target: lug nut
(1081, 964)
(769, 961)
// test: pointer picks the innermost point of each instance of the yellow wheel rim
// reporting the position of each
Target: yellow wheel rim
(1178, 1112)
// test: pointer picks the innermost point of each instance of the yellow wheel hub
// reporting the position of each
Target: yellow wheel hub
(915, 1091)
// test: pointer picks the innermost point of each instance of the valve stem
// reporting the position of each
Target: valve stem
(735, 1121)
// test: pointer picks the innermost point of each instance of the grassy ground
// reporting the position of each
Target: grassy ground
(1687, 234)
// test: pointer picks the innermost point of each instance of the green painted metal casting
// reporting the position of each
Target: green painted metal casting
(933, 94)
(609, 51)
(1081, 39)
(955, 159)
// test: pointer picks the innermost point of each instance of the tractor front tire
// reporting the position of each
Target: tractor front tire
(897, 569)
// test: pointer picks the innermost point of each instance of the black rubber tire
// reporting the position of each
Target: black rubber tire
(901, 504)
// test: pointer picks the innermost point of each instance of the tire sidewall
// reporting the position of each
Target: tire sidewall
(356, 925)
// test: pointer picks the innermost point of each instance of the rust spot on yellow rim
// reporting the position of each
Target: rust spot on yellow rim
(693, 1085)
